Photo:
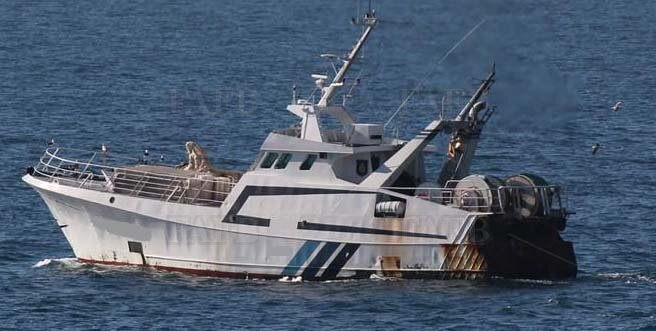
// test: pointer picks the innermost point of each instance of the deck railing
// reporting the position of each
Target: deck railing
(97, 171)
(525, 201)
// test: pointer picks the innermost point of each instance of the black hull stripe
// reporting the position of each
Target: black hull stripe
(231, 215)
(247, 220)
(303, 225)
(322, 257)
(340, 261)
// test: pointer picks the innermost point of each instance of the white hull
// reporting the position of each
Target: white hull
(192, 238)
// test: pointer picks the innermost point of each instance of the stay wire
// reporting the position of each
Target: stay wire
(432, 71)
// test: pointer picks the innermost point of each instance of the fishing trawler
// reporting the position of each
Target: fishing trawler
(318, 203)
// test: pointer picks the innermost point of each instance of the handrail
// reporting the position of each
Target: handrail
(90, 174)
(503, 199)
(186, 187)
(88, 163)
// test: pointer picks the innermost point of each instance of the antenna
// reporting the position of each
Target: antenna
(365, 20)
(355, 84)
(356, 20)
(331, 58)
(294, 94)
(442, 111)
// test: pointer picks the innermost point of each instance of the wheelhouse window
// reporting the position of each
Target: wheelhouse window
(308, 162)
(283, 160)
(268, 160)
(362, 167)
(375, 162)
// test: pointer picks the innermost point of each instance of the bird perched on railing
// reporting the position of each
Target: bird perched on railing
(103, 155)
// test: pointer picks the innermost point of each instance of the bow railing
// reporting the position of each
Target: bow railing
(138, 178)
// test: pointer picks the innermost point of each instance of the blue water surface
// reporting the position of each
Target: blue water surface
(154, 74)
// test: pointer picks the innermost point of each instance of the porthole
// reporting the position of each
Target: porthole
(111, 200)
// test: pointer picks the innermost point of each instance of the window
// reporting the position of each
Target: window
(323, 155)
(375, 162)
(362, 167)
(268, 160)
(309, 161)
(283, 160)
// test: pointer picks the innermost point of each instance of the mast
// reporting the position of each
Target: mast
(308, 111)
(330, 91)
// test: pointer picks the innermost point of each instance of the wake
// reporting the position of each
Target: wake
(70, 262)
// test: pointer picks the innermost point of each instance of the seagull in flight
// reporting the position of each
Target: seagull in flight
(595, 148)
(617, 106)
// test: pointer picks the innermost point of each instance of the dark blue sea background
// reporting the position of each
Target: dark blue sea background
(154, 74)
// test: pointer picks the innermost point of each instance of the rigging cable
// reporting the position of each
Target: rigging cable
(411, 94)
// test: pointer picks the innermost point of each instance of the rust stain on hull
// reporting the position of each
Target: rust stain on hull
(463, 262)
